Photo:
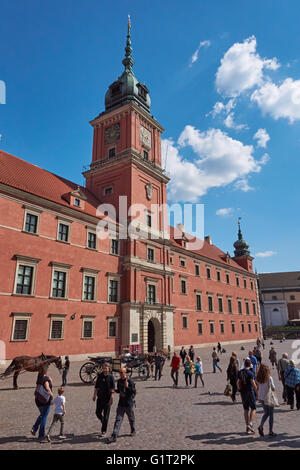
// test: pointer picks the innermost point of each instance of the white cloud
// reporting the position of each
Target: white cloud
(279, 101)
(243, 185)
(265, 254)
(262, 138)
(220, 161)
(220, 107)
(230, 124)
(224, 212)
(194, 57)
(242, 68)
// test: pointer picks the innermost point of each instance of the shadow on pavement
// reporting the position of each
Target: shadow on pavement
(229, 439)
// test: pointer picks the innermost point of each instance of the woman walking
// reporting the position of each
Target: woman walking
(198, 371)
(188, 370)
(264, 382)
(43, 397)
(232, 375)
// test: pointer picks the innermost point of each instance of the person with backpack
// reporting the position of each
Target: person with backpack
(127, 391)
(248, 390)
(292, 381)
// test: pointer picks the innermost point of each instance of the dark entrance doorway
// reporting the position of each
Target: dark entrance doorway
(151, 336)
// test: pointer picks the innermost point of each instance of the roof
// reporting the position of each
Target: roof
(209, 251)
(279, 280)
(34, 180)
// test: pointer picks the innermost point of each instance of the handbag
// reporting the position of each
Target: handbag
(270, 398)
(41, 394)
(228, 390)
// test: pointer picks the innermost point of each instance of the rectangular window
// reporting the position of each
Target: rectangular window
(208, 273)
(240, 307)
(245, 283)
(31, 223)
(59, 284)
(200, 328)
(24, 280)
(249, 327)
(197, 269)
(112, 152)
(113, 290)
(218, 276)
(251, 284)
(243, 327)
(211, 327)
(56, 329)
(229, 306)
(89, 288)
(63, 232)
(254, 308)
(292, 297)
(184, 321)
(210, 304)
(92, 240)
(112, 329)
(220, 300)
(182, 263)
(151, 294)
(77, 202)
(247, 308)
(233, 327)
(108, 191)
(87, 329)
(171, 260)
(227, 279)
(114, 247)
(149, 220)
(198, 302)
(222, 329)
(183, 286)
(20, 330)
(237, 281)
(150, 254)
(146, 155)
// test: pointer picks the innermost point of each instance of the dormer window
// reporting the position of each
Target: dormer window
(77, 202)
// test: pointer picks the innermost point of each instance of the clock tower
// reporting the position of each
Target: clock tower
(126, 159)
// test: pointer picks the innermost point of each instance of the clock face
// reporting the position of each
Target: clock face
(112, 134)
(145, 136)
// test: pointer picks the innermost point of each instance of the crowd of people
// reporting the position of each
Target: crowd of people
(251, 378)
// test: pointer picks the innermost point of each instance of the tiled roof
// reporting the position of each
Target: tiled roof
(34, 180)
(279, 280)
(209, 251)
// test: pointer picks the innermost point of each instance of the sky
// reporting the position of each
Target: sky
(224, 82)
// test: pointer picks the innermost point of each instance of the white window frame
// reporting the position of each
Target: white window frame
(110, 248)
(199, 293)
(30, 262)
(61, 268)
(187, 323)
(20, 316)
(57, 317)
(182, 278)
(112, 320)
(87, 239)
(90, 273)
(153, 249)
(113, 277)
(36, 213)
(87, 318)
(197, 265)
(211, 322)
(63, 222)
(200, 322)
(222, 323)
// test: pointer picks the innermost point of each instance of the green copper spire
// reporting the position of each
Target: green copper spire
(128, 61)
(241, 246)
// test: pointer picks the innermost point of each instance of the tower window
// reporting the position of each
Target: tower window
(112, 152)
(108, 191)
(146, 155)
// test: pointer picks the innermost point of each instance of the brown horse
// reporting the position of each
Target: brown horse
(29, 364)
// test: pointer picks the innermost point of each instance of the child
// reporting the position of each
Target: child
(59, 413)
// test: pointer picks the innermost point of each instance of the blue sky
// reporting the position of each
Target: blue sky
(224, 81)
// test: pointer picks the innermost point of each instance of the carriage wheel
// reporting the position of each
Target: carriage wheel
(88, 372)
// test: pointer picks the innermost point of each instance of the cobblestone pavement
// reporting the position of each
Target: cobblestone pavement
(166, 418)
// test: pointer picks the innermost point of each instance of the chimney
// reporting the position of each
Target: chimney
(208, 239)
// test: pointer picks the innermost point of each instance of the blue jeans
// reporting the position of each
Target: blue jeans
(215, 364)
(268, 413)
(42, 420)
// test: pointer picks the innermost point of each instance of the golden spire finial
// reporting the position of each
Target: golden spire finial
(129, 23)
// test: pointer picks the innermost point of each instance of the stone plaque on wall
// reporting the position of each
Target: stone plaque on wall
(134, 337)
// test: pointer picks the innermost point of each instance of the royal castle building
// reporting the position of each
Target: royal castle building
(72, 283)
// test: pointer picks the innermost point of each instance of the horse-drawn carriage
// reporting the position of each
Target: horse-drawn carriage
(139, 364)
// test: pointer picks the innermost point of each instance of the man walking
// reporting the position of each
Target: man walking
(248, 390)
(65, 371)
(158, 361)
(282, 365)
(126, 389)
(215, 359)
(175, 365)
(104, 390)
(253, 361)
(182, 354)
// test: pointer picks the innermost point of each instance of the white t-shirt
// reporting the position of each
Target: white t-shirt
(58, 402)
(263, 389)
